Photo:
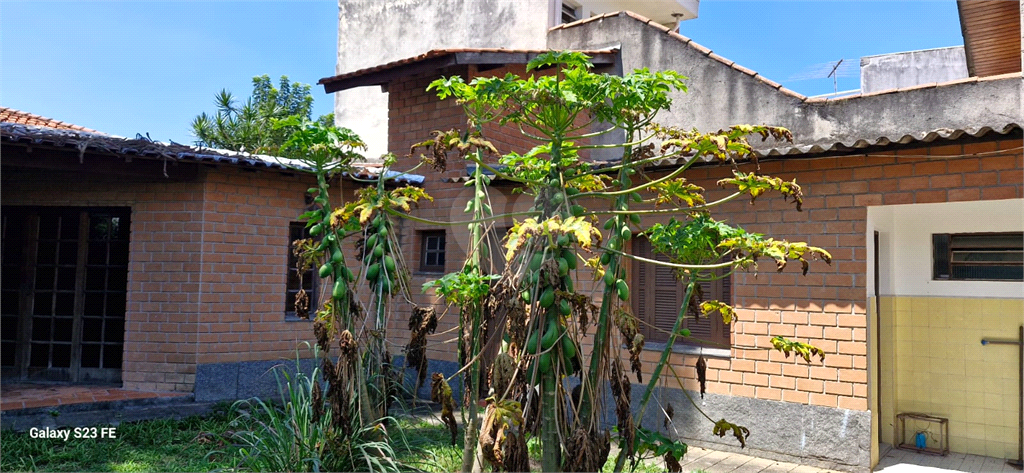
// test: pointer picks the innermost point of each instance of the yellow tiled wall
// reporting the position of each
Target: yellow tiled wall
(932, 361)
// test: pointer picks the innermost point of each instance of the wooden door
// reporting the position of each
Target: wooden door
(64, 290)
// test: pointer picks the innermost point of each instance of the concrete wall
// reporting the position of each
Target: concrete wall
(719, 95)
(371, 33)
(661, 11)
(907, 69)
(722, 93)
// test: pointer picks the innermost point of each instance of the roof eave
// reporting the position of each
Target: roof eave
(440, 59)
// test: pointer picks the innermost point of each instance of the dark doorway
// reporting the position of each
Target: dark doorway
(63, 290)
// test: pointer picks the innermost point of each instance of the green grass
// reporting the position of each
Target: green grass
(158, 445)
(203, 444)
(427, 447)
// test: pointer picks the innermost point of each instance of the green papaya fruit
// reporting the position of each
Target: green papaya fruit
(536, 261)
(547, 298)
(373, 272)
(622, 289)
(570, 258)
(568, 347)
(550, 336)
(544, 363)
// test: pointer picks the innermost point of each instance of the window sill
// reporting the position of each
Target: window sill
(690, 350)
(430, 272)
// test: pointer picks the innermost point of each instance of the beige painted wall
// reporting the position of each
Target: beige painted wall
(932, 362)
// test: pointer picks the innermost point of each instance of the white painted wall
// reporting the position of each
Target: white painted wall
(666, 12)
(905, 233)
(375, 32)
(907, 69)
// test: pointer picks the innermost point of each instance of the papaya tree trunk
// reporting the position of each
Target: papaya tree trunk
(552, 448)
(469, 448)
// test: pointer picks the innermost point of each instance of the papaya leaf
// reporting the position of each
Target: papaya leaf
(678, 191)
(803, 350)
(755, 185)
(723, 427)
(709, 307)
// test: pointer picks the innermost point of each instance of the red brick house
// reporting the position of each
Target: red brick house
(159, 267)
(905, 187)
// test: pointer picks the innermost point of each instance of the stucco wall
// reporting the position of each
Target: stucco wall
(722, 93)
(371, 33)
(907, 69)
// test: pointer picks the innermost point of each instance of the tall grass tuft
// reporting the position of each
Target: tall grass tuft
(288, 436)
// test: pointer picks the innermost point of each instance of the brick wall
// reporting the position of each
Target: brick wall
(207, 271)
(244, 258)
(827, 307)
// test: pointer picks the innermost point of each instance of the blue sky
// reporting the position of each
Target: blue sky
(150, 67)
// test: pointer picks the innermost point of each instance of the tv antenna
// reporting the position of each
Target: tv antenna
(828, 70)
(834, 76)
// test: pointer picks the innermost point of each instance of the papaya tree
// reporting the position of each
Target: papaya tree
(357, 304)
(546, 319)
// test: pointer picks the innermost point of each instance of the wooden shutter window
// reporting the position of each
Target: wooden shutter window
(658, 295)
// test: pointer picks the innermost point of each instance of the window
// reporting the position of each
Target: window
(306, 280)
(658, 295)
(432, 251)
(978, 256)
(569, 13)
